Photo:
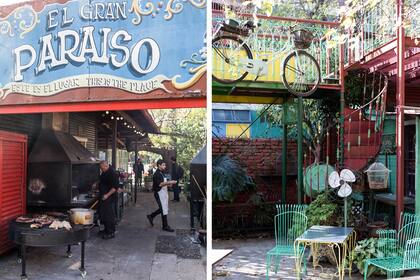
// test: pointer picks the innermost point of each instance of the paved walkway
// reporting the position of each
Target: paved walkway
(247, 262)
(131, 255)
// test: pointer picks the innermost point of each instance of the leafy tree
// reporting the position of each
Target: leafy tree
(183, 130)
(319, 115)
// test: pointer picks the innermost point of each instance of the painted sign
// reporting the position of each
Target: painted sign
(133, 46)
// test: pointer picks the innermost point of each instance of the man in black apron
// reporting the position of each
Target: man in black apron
(160, 190)
(108, 186)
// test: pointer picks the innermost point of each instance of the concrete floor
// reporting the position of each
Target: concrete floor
(247, 262)
(130, 255)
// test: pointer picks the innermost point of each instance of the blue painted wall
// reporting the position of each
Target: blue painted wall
(260, 129)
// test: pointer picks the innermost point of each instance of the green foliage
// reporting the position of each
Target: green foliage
(318, 116)
(229, 179)
(354, 85)
(368, 249)
(323, 211)
(186, 133)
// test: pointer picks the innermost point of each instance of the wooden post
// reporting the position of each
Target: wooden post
(114, 144)
(417, 170)
(400, 111)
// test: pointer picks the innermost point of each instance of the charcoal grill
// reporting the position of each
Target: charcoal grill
(25, 236)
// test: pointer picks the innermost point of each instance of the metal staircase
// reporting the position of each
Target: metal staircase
(363, 126)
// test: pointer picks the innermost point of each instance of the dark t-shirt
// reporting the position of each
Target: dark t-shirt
(138, 168)
(158, 178)
(107, 181)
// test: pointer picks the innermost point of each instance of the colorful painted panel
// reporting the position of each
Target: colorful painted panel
(233, 130)
(139, 49)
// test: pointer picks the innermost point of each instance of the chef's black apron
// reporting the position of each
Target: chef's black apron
(107, 181)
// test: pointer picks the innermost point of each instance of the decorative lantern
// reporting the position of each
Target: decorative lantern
(378, 174)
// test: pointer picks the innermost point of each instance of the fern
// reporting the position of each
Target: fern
(229, 179)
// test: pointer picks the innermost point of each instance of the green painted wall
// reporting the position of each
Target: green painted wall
(263, 129)
(391, 163)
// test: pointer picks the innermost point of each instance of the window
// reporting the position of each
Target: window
(242, 116)
(231, 115)
(222, 115)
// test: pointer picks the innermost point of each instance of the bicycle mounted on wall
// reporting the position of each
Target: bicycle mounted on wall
(300, 72)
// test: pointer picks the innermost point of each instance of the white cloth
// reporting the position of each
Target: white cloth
(164, 199)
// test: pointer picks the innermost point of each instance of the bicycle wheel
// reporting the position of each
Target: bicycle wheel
(228, 55)
(300, 73)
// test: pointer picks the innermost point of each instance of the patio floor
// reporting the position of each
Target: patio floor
(132, 254)
(247, 262)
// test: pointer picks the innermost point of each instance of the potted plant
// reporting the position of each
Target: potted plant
(368, 249)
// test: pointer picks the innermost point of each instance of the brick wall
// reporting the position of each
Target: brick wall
(262, 160)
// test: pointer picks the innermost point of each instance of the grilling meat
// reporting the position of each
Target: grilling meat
(36, 225)
(60, 224)
(23, 219)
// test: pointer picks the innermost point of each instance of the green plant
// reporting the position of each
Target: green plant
(229, 179)
(368, 249)
(323, 211)
(148, 178)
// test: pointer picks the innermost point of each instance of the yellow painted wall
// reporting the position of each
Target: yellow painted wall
(235, 129)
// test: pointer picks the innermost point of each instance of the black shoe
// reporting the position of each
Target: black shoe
(150, 218)
(101, 232)
(108, 236)
(168, 229)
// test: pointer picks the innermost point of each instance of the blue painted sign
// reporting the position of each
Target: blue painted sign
(135, 46)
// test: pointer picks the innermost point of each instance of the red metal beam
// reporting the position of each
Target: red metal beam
(400, 98)
(103, 106)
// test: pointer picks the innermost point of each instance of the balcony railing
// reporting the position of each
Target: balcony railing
(267, 40)
(377, 26)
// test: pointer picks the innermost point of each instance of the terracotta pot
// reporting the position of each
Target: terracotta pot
(373, 227)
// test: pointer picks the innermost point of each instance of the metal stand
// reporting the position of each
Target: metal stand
(23, 254)
(82, 261)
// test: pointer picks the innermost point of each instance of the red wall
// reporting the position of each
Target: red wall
(262, 160)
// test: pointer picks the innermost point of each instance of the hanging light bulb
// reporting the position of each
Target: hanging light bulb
(112, 117)
(125, 123)
(107, 112)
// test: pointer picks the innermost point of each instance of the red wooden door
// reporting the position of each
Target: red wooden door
(13, 155)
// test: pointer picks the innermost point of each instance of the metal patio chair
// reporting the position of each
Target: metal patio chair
(401, 248)
(289, 223)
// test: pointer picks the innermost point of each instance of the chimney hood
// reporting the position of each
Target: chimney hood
(60, 147)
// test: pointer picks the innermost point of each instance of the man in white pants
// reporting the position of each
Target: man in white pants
(160, 190)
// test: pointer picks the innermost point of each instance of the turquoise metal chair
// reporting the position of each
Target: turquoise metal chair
(401, 248)
(289, 223)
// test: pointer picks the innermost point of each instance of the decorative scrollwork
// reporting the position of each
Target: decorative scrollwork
(198, 4)
(171, 8)
(23, 20)
(4, 92)
(137, 9)
(6, 28)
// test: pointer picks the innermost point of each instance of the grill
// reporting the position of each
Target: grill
(25, 236)
(198, 171)
(61, 172)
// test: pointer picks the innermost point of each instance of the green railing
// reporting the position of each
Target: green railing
(267, 40)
